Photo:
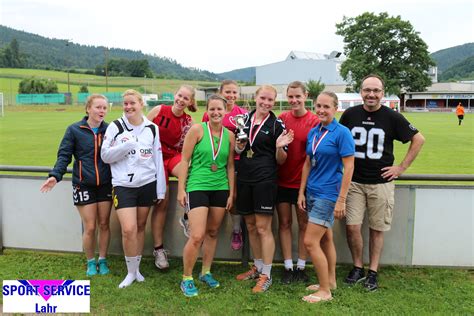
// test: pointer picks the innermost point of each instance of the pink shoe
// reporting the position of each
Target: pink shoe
(236, 242)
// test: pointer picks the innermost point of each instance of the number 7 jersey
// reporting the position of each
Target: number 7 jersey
(374, 133)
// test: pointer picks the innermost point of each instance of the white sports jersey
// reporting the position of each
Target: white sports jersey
(134, 155)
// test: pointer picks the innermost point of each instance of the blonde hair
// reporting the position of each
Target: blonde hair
(91, 99)
(192, 106)
(332, 95)
(134, 93)
(227, 82)
(266, 87)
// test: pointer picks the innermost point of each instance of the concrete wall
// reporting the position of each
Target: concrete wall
(431, 225)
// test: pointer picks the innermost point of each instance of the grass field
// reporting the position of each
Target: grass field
(30, 135)
(413, 291)
(10, 79)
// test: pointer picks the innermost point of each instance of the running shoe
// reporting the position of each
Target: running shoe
(236, 242)
(355, 276)
(188, 288)
(209, 280)
(103, 268)
(161, 258)
(91, 268)
(263, 284)
(371, 281)
(300, 276)
(251, 274)
(287, 276)
(185, 224)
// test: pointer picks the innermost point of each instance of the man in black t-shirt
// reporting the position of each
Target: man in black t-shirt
(374, 128)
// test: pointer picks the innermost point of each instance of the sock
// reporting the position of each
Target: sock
(236, 223)
(288, 264)
(140, 277)
(205, 270)
(300, 265)
(267, 269)
(159, 247)
(132, 263)
(101, 258)
(259, 264)
(372, 272)
(187, 277)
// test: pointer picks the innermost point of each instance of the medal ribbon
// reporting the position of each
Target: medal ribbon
(316, 144)
(252, 135)
(215, 152)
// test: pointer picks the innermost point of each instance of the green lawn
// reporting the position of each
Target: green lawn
(30, 135)
(419, 291)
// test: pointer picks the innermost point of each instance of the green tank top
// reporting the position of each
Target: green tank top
(200, 175)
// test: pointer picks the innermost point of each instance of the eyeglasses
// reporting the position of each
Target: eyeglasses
(375, 91)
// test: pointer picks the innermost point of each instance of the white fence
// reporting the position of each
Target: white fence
(432, 225)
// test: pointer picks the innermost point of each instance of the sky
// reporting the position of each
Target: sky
(222, 35)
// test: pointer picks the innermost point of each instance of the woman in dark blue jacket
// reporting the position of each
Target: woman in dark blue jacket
(91, 179)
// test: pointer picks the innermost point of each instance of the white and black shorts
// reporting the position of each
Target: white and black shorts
(134, 197)
(83, 194)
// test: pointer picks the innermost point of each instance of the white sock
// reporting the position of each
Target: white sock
(140, 277)
(235, 223)
(101, 258)
(267, 269)
(132, 272)
(288, 264)
(300, 265)
(259, 264)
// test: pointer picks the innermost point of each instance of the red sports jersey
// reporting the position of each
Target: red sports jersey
(172, 130)
(289, 174)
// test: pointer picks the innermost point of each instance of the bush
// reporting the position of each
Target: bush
(33, 85)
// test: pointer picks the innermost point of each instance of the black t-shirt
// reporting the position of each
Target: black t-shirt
(262, 166)
(374, 133)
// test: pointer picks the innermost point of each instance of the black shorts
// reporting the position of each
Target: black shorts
(134, 197)
(83, 195)
(258, 198)
(207, 199)
(461, 117)
(287, 195)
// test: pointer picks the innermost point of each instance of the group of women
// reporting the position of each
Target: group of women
(297, 159)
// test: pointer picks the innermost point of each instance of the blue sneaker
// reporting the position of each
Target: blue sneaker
(91, 268)
(188, 288)
(209, 280)
(103, 268)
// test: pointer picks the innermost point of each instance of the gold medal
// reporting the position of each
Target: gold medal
(213, 167)
(250, 153)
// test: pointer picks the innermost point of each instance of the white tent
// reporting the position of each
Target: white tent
(347, 100)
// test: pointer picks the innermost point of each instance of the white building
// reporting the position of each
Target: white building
(303, 66)
(346, 100)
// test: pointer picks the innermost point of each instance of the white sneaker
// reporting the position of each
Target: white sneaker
(185, 224)
(161, 258)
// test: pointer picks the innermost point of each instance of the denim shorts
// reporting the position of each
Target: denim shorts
(320, 211)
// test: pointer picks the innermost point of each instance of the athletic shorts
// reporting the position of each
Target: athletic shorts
(83, 195)
(258, 198)
(169, 164)
(134, 197)
(378, 199)
(461, 117)
(320, 211)
(207, 199)
(287, 195)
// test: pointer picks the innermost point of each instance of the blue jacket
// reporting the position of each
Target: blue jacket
(81, 142)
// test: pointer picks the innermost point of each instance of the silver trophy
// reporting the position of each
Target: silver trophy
(239, 122)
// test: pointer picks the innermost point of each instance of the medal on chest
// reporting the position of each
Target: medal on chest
(315, 145)
(253, 134)
(215, 151)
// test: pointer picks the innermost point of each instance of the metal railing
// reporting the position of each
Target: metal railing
(414, 177)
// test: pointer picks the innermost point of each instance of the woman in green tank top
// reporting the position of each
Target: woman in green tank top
(205, 190)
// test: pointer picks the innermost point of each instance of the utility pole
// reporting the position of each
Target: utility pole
(67, 67)
(106, 53)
